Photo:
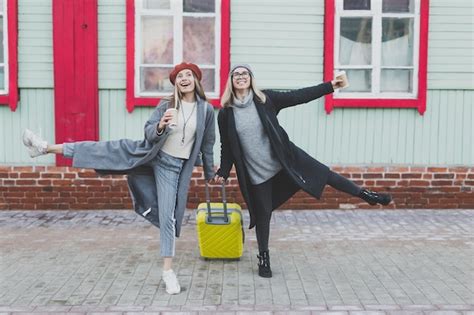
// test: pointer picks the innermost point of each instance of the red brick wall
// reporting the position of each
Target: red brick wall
(49, 187)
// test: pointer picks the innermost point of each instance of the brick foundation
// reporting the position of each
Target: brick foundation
(50, 187)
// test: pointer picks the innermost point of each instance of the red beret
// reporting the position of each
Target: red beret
(191, 66)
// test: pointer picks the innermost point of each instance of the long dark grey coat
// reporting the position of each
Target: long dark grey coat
(300, 170)
(130, 157)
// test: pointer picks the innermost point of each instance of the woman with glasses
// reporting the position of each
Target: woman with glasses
(270, 168)
(159, 168)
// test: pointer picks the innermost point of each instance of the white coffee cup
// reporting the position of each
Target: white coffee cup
(341, 75)
(173, 122)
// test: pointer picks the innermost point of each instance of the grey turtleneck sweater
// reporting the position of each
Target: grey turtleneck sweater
(258, 155)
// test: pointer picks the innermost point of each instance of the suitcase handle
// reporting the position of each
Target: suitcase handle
(224, 202)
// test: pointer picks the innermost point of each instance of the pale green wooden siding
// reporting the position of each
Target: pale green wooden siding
(282, 40)
(115, 122)
(347, 136)
(36, 112)
(451, 45)
(112, 44)
(35, 44)
(35, 40)
(443, 135)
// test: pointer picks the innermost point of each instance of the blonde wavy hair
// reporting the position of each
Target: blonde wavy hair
(175, 98)
(228, 96)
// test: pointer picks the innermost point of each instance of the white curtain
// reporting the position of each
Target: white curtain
(396, 52)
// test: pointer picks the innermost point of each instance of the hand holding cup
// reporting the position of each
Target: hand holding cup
(340, 81)
(170, 119)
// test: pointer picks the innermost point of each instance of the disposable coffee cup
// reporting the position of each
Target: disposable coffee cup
(174, 120)
(341, 75)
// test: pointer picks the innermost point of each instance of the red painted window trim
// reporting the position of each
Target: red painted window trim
(11, 99)
(418, 103)
(132, 100)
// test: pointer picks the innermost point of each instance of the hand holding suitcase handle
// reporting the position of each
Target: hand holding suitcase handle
(224, 202)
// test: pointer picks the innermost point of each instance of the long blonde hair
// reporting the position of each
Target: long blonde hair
(174, 99)
(228, 96)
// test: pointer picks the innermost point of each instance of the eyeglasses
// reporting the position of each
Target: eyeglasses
(237, 75)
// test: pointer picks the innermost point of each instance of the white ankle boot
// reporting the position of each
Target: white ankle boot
(35, 144)
(171, 281)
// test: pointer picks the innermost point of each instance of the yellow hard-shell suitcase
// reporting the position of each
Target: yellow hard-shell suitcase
(219, 227)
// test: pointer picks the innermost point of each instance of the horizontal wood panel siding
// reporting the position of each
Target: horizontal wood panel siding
(451, 45)
(112, 43)
(282, 40)
(35, 44)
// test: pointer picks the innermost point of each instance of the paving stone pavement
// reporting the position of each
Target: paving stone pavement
(348, 262)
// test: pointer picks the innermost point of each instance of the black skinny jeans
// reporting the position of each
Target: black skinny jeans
(262, 197)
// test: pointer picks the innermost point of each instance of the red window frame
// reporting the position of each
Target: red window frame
(132, 100)
(11, 99)
(418, 103)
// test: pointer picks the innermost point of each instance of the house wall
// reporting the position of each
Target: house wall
(283, 55)
(424, 161)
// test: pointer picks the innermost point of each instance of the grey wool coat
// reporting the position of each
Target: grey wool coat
(131, 157)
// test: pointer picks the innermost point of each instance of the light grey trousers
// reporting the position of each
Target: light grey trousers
(166, 169)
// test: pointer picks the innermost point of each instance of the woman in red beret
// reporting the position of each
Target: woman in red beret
(269, 167)
(159, 168)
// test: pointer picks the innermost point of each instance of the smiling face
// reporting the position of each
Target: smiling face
(185, 81)
(241, 79)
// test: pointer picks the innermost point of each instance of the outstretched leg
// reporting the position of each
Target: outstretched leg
(343, 184)
(55, 148)
(38, 146)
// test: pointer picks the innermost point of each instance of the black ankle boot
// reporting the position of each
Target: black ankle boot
(374, 198)
(264, 265)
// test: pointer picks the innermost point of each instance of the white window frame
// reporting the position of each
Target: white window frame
(376, 14)
(5, 49)
(176, 11)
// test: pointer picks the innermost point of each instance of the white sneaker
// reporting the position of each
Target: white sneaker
(35, 144)
(172, 284)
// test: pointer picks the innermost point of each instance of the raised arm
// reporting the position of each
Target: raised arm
(300, 96)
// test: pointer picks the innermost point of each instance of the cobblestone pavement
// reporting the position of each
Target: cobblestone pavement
(353, 262)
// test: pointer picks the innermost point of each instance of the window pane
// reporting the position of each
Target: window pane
(396, 81)
(359, 81)
(2, 78)
(156, 4)
(157, 39)
(199, 6)
(208, 80)
(355, 45)
(1, 6)
(199, 40)
(155, 79)
(391, 6)
(397, 42)
(356, 4)
(2, 57)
